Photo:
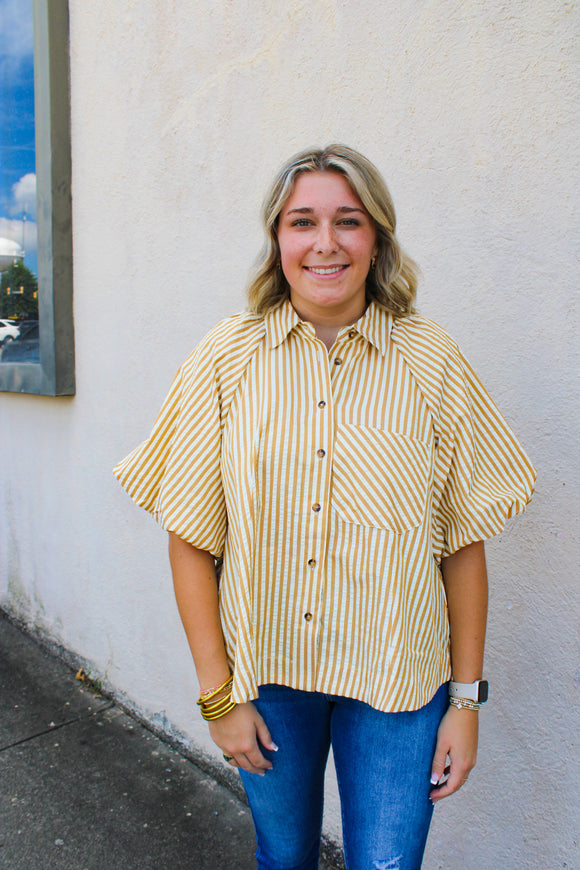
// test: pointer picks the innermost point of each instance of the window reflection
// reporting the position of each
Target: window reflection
(19, 334)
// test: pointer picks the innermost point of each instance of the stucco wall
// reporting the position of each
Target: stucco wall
(181, 112)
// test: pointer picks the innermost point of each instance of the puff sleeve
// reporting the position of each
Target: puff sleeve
(482, 476)
(175, 474)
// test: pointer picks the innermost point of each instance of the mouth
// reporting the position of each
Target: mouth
(325, 270)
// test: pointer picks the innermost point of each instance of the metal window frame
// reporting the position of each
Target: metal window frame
(54, 375)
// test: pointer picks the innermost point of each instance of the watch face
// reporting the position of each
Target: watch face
(482, 691)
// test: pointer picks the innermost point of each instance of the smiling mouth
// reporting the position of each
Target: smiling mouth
(325, 270)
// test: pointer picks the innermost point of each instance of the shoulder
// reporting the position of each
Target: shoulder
(434, 359)
(422, 335)
(229, 340)
(243, 325)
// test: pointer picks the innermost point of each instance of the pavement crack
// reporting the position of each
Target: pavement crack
(51, 729)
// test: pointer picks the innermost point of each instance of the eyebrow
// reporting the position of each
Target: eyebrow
(343, 209)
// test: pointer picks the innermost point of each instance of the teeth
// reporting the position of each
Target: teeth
(321, 270)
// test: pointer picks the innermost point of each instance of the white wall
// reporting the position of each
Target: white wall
(181, 112)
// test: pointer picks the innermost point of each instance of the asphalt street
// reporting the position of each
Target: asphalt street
(83, 786)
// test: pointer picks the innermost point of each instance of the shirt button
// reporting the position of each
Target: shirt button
(321, 453)
(316, 507)
(322, 404)
(352, 333)
(307, 617)
(312, 563)
(337, 361)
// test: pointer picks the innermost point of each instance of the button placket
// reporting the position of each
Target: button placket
(319, 499)
(340, 354)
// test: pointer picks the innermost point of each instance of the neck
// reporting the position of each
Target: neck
(326, 334)
(327, 326)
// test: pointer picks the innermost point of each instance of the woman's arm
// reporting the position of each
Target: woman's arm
(196, 592)
(465, 579)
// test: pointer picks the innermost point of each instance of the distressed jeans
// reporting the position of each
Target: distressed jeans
(383, 767)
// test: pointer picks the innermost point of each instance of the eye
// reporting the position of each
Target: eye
(349, 222)
(301, 222)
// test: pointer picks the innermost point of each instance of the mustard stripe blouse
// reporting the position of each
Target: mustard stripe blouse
(333, 483)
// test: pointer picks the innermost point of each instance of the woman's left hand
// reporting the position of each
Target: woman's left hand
(456, 738)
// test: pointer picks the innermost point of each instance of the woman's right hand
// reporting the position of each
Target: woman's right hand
(237, 734)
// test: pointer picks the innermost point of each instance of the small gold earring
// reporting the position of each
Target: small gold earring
(373, 261)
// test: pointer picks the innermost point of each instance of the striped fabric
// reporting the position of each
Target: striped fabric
(333, 483)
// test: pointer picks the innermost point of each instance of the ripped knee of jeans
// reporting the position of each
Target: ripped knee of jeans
(388, 864)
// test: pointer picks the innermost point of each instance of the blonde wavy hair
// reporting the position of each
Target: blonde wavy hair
(392, 283)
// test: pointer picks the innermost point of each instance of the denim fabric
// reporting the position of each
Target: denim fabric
(383, 766)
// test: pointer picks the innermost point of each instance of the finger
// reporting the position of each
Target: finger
(244, 762)
(256, 758)
(454, 783)
(264, 735)
(438, 764)
(251, 759)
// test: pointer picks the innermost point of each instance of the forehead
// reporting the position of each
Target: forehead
(322, 190)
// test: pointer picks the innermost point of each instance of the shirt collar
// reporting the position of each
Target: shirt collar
(280, 322)
(375, 325)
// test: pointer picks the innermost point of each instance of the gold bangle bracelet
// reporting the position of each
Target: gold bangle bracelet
(217, 705)
(217, 701)
(216, 711)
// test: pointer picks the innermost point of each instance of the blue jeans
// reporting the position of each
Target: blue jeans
(383, 767)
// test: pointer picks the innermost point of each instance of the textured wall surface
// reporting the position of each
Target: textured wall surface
(181, 112)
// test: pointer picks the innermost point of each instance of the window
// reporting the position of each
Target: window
(36, 323)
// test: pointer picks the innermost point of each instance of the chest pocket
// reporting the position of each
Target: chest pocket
(380, 478)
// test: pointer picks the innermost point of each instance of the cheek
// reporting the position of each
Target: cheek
(364, 251)
(290, 254)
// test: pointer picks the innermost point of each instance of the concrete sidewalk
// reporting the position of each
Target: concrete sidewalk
(83, 786)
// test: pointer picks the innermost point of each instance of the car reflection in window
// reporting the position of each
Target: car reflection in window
(8, 331)
(25, 347)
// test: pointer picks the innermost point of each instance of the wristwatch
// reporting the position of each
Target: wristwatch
(476, 692)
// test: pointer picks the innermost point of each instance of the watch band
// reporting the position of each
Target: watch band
(477, 691)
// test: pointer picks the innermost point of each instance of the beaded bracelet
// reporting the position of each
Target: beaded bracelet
(467, 703)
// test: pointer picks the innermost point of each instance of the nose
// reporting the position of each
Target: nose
(325, 241)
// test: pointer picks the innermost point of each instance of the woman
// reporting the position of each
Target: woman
(342, 457)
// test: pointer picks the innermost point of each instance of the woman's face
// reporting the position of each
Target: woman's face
(327, 240)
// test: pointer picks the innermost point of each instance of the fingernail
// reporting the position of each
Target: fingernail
(273, 747)
(435, 778)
